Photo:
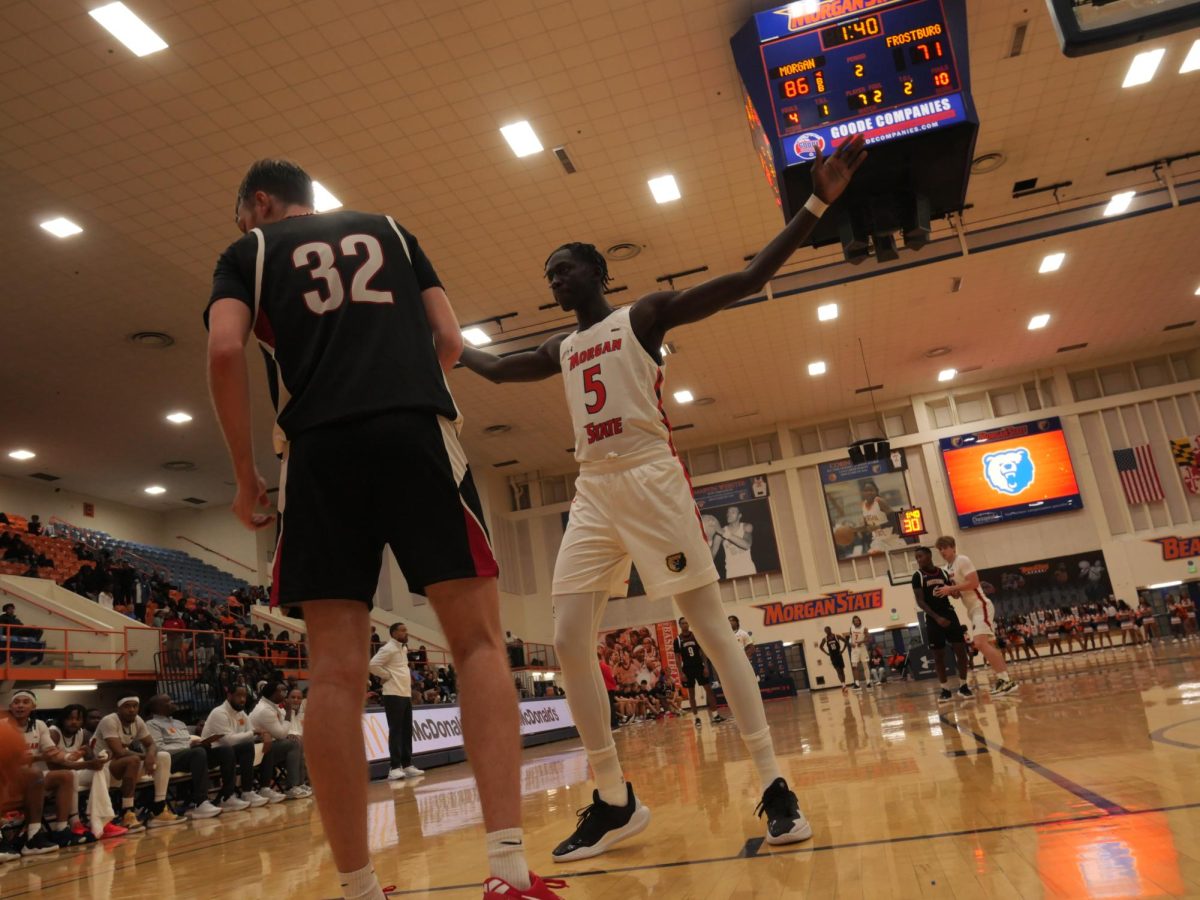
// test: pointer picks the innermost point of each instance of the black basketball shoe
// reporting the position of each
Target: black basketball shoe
(785, 823)
(601, 825)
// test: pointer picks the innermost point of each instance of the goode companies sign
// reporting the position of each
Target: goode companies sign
(440, 727)
(837, 604)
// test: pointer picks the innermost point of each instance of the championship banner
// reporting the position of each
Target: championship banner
(1186, 453)
(837, 604)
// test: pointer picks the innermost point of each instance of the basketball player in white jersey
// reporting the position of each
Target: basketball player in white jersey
(964, 584)
(736, 536)
(877, 519)
(858, 653)
(633, 499)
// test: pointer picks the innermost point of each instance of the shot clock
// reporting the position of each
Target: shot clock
(892, 70)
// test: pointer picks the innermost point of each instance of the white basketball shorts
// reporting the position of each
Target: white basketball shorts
(860, 656)
(983, 618)
(644, 515)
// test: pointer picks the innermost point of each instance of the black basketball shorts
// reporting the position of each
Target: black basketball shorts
(938, 636)
(691, 679)
(398, 479)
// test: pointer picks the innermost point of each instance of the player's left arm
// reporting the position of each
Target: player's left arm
(447, 336)
(229, 385)
(656, 313)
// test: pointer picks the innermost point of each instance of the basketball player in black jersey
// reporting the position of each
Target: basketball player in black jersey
(632, 500)
(358, 333)
(691, 660)
(942, 624)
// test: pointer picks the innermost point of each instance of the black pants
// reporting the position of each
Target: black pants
(613, 719)
(231, 761)
(400, 726)
(195, 761)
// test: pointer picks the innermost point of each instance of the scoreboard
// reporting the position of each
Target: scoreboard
(895, 71)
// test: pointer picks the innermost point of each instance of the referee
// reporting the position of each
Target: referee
(358, 334)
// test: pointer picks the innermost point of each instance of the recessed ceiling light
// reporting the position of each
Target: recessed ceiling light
(62, 228)
(828, 312)
(664, 189)
(1041, 320)
(323, 201)
(1119, 203)
(156, 489)
(521, 138)
(179, 418)
(816, 368)
(684, 397)
(1192, 62)
(22, 455)
(1143, 67)
(476, 336)
(1052, 263)
(119, 20)
(947, 374)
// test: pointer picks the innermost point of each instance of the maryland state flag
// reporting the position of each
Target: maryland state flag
(1186, 453)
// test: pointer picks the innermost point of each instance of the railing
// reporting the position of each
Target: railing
(63, 653)
(532, 656)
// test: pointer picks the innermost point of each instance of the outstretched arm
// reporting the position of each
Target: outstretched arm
(529, 365)
(654, 314)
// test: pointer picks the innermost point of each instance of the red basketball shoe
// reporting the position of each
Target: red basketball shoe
(539, 889)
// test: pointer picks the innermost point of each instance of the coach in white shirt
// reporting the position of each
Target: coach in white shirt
(390, 665)
(269, 719)
(229, 723)
(742, 636)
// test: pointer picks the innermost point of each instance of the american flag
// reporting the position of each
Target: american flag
(1139, 477)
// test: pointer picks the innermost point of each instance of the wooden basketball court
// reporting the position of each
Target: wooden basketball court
(1084, 785)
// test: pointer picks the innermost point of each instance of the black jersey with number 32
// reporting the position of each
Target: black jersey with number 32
(335, 302)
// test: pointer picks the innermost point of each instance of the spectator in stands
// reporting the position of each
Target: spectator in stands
(34, 525)
(105, 597)
(269, 719)
(376, 641)
(230, 724)
(174, 627)
(42, 752)
(3, 519)
(390, 665)
(186, 755)
(26, 636)
(119, 731)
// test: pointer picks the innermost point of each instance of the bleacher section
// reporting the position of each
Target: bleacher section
(196, 578)
(60, 551)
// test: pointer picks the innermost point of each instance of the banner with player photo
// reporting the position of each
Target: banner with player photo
(863, 503)
(736, 516)
(641, 653)
(1047, 584)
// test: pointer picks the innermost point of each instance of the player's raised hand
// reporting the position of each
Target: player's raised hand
(832, 174)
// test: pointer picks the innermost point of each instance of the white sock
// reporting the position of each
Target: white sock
(361, 885)
(59, 826)
(34, 828)
(506, 857)
(762, 751)
(610, 782)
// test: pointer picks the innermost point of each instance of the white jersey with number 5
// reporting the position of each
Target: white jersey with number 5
(614, 392)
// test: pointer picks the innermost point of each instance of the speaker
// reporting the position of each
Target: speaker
(870, 450)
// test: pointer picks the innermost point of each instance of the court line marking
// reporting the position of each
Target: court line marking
(1160, 735)
(1109, 807)
(818, 848)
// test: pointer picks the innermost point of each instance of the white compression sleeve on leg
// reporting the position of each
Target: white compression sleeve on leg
(702, 609)
(576, 621)
(162, 775)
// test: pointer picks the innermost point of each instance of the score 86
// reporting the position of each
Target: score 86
(801, 87)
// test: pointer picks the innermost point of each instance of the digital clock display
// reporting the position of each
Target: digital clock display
(827, 77)
(857, 30)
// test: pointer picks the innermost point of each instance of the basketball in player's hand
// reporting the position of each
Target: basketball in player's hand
(13, 755)
(711, 525)
(843, 535)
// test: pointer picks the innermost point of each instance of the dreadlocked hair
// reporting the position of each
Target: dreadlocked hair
(589, 254)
